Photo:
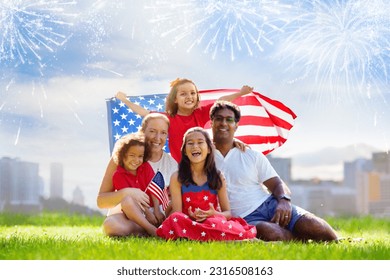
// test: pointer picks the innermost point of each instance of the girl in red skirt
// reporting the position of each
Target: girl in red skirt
(200, 203)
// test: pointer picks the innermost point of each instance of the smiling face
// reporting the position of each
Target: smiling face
(134, 158)
(186, 98)
(156, 133)
(223, 126)
(196, 148)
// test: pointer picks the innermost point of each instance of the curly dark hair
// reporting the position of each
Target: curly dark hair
(124, 144)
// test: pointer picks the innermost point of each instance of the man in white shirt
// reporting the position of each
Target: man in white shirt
(256, 192)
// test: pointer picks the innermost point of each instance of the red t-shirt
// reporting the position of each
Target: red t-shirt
(124, 179)
(180, 124)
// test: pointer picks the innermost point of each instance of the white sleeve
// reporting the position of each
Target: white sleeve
(266, 171)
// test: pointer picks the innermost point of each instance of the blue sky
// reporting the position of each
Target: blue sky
(327, 60)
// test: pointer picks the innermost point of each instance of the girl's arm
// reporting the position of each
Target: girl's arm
(175, 189)
(244, 90)
(134, 107)
(109, 198)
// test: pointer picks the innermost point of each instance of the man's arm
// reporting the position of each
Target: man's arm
(277, 187)
(283, 210)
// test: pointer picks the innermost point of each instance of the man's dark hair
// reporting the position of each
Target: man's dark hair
(222, 104)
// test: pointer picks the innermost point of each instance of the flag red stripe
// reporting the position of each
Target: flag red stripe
(262, 139)
(264, 122)
(159, 194)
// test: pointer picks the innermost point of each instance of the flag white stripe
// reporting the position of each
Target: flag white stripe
(252, 110)
(278, 112)
(244, 130)
(264, 147)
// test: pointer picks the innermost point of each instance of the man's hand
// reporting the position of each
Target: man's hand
(282, 214)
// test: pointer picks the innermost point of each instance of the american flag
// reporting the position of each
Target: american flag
(264, 125)
(157, 188)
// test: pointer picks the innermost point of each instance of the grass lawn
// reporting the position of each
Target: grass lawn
(53, 236)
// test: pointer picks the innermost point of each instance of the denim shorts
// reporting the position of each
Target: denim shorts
(266, 210)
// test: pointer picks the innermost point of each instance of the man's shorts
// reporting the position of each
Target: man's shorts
(266, 210)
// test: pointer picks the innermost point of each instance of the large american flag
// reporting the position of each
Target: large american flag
(265, 123)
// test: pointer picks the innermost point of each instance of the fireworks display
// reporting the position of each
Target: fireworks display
(29, 29)
(220, 27)
(344, 45)
(33, 42)
(340, 48)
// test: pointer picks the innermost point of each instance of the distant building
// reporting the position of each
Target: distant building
(379, 185)
(20, 186)
(78, 196)
(282, 166)
(7, 180)
(379, 194)
(353, 169)
(381, 162)
(324, 199)
(355, 178)
(56, 180)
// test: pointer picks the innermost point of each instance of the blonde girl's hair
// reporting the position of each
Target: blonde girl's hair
(124, 144)
(170, 106)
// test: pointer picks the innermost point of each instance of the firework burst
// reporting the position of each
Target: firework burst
(34, 35)
(343, 44)
(228, 26)
(30, 29)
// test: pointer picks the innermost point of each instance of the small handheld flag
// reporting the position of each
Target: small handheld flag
(157, 188)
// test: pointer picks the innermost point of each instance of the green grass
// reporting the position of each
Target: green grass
(62, 237)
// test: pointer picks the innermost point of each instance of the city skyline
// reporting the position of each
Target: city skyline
(363, 190)
(332, 165)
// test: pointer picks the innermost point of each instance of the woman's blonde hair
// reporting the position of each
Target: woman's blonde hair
(153, 116)
(170, 106)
